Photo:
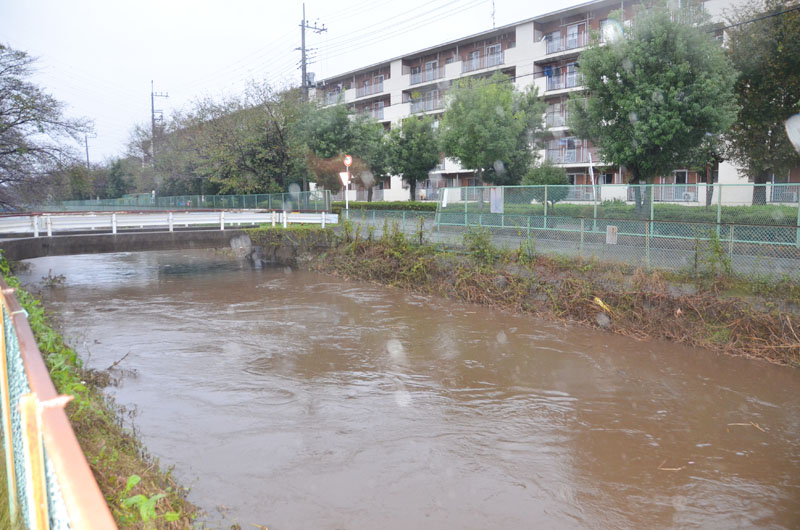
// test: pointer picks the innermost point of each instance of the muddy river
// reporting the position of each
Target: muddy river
(300, 401)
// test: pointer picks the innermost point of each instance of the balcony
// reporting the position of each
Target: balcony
(565, 43)
(579, 155)
(427, 75)
(785, 194)
(332, 99)
(478, 63)
(426, 104)
(561, 81)
(376, 114)
(556, 119)
(375, 88)
(583, 193)
(670, 193)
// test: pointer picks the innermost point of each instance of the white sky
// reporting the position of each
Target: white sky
(98, 56)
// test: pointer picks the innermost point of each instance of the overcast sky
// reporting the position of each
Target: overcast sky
(99, 56)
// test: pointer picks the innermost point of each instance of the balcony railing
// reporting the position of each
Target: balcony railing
(484, 61)
(785, 194)
(561, 81)
(556, 119)
(375, 88)
(426, 75)
(376, 114)
(579, 155)
(332, 99)
(583, 193)
(671, 193)
(569, 42)
(426, 104)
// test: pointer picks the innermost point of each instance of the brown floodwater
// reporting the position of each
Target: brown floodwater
(301, 401)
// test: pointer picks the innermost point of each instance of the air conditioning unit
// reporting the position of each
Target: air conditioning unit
(690, 196)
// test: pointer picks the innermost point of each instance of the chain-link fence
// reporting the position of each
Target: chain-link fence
(317, 200)
(50, 484)
(716, 229)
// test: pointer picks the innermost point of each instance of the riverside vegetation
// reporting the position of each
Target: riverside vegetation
(707, 307)
(139, 493)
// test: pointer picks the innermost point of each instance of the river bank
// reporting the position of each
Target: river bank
(714, 312)
(138, 491)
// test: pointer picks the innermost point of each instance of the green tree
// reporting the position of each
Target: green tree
(328, 134)
(550, 175)
(415, 150)
(35, 136)
(371, 144)
(490, 126)
(117, 184)
(653, 95)
(766, 53)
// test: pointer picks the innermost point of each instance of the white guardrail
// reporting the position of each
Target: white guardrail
(49, 224)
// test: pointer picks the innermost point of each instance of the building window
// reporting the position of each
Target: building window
(607, 178)
(680, 177)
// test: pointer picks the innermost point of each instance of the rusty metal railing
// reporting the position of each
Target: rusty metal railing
(50, 484)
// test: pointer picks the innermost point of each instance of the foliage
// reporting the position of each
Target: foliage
(117, 185)
(237, 145)
(415, 206)
(654, 94)
(548, 174)
(767, 55)
(490, 126)
(34, 133)
(371, 145)
(414, 149)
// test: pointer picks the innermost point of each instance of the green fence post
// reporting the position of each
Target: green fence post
(404, 221)
(797, 234)
(465, 195)
(719, 207)
(730, 243)
(594, 221)
(581, 246)
(480, 219)
(545, 206)
(373, 217)
(529, 229)
(647, 243)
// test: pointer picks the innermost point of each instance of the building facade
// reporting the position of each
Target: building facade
(543, 51)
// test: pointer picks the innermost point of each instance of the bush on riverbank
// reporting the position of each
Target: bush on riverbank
(133, 484)
(623, 300)
(410, 206)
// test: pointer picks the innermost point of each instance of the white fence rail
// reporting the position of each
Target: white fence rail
(49, 224)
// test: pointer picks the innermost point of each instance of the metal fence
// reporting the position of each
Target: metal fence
(50, 484)
(755, 241)
(317, 200)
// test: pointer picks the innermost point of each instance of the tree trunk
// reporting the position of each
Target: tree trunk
(760, 189)
(369, 194)
(412, 188)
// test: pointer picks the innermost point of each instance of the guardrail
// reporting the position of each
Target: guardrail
(49, 224)
(50, 484)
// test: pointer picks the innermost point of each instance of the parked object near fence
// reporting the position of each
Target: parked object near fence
(50, 484)
(50, 224)
(315, 201)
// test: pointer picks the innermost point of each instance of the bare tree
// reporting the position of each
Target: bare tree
(34, 133)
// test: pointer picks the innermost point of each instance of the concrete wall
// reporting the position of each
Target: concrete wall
(36, 247)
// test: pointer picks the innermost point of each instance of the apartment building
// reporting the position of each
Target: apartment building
(543, 51)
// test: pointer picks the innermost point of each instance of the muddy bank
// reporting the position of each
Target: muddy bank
(621, 300)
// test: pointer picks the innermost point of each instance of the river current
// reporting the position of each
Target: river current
(297, 400)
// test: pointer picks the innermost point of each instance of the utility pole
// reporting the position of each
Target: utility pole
(303, 26)
(153, 96)
(86, 142)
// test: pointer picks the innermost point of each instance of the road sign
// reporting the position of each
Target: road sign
(348, 160)
(345, 177)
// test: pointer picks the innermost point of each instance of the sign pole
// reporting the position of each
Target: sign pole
(346, 181)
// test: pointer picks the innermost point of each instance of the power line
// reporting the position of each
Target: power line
(303, 26)
(770, 15)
